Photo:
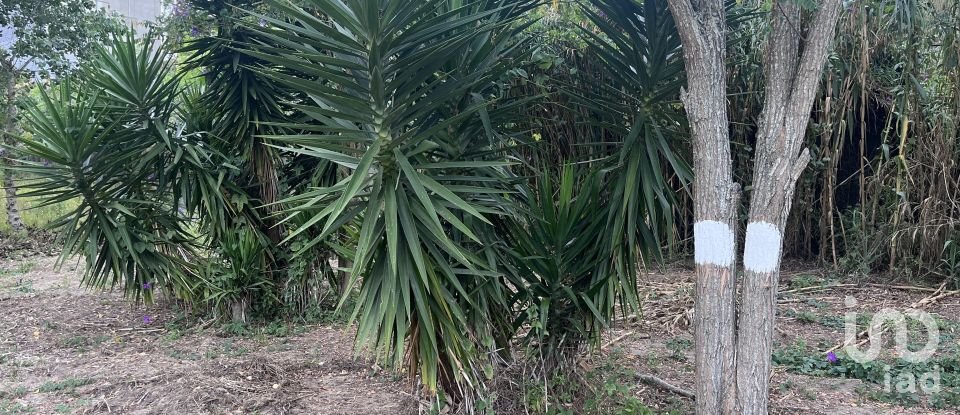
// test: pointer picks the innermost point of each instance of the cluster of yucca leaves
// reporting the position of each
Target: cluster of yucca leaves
(391, 134)
(108, 143)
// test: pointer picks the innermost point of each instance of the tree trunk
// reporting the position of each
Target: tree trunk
(240, 309)
(702, 30)
(733, 366)
(791, 86)
(10, 130)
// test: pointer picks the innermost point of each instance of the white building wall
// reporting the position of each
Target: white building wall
(135, 12)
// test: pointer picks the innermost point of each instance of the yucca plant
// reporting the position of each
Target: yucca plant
(111, 143)
(561, 274)
(237, 106)
(401, 96)
(171, 174)
(635, 103)
(234, 280)
(240, 106)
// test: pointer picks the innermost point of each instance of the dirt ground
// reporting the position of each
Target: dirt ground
(64, 349)
(69, 350)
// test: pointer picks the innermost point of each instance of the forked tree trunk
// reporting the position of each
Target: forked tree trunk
(791, 86)
(733, 363)
(702, 29)
(10, 130)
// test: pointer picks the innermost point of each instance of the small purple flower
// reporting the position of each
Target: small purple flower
(147, 319)
(194, 31)
(262, 22)
(831, 357)
(147, 286)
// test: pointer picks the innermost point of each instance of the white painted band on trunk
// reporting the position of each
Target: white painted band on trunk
(761, 251)
(712, 243)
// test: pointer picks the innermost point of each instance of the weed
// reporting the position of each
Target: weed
(678, 346)
(835, 322)
(17, 392)
(232, 350)
(235, 328)
(805, 281)
(20, 269)
(324, 314)
(65, 386)
(24, 286)
(173, 334)
(819, 305)
(278, 329)
(76, 342)
(26, 266)
(83, 343)
(607, 389)
(653, 361)
(808, 317)
(8, 407)
(785, 386)
(228, 348)
(182, 355)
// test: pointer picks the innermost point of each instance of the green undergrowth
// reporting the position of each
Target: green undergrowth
(606, 389)
(933, 383)
(64, 386)
(282, 323)
(10, 407)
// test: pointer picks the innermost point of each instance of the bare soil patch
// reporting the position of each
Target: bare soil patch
(69, 350)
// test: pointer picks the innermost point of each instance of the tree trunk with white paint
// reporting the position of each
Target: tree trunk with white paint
(791, 86)
(733, 363)
(10, 130)
(702, 28)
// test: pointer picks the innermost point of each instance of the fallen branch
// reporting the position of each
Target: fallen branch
(662, 384)
(816, 288)
(616, 340)
(902, 287)
(938, 295)
(132, 331)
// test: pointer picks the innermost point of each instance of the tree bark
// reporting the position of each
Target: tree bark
(10, 130)
(791, 86)
(702, 27)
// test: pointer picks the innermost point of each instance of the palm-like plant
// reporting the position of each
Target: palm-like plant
(110, 143)
(637, 47)
(399, 96)
(560, 273)
(238, 107)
